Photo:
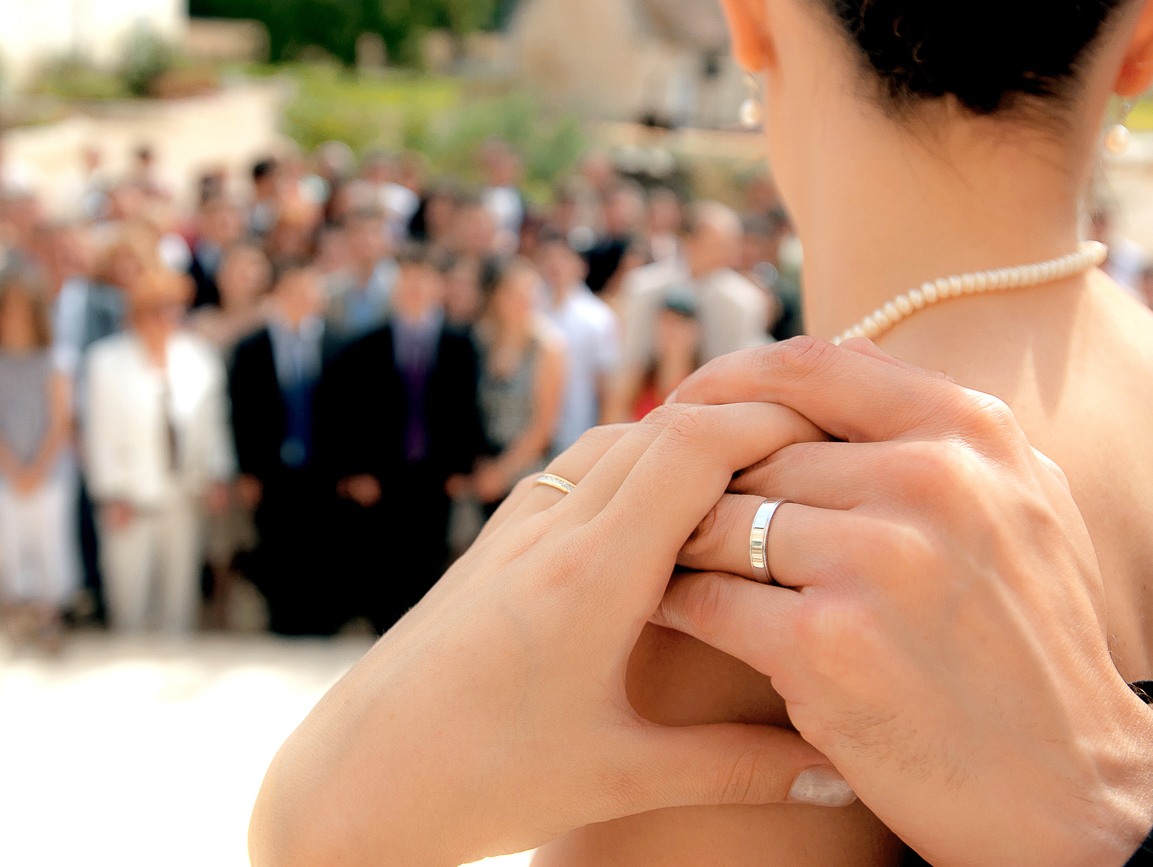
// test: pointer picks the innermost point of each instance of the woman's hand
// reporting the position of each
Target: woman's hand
(939, 634)
(493, 717)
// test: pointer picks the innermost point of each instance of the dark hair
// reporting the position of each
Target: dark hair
(263, 169)
(985, 53)
(494, 271)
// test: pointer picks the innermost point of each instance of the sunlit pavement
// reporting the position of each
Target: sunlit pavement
(142, 753)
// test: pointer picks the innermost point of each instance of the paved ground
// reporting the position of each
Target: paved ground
(144, 754)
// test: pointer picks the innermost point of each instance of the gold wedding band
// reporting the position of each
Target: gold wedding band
(551, 481)
(759, 540)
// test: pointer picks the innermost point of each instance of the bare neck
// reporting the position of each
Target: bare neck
(891, 210)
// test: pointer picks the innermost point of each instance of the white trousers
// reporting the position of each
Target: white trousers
(37, 542)
(154, 563)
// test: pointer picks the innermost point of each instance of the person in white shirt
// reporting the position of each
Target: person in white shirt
(159, 452)
(732, 311)
(591, 332)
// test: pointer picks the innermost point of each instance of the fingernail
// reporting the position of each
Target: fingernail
(823, 787)
(672, 398)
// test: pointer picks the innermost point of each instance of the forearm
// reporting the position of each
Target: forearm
(363, 780)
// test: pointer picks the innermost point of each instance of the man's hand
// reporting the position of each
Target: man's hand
(940, 633)
(364, 489)
(249, 490)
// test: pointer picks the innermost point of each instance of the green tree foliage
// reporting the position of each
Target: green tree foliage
(334, 25)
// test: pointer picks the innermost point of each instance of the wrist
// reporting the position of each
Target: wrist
(1117, 814)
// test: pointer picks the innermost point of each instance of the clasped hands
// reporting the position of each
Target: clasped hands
(938, 631)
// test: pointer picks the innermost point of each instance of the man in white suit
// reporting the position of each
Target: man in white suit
(158, 452)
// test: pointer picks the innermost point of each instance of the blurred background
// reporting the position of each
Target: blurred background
(291, 293)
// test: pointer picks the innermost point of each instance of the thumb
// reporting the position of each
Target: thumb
(729, 763)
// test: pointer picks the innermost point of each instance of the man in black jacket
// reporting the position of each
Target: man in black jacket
(397, 416)
(273, 386)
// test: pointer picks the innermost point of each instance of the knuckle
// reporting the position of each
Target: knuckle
(745, 780)
(930, 465)
(991, 418)
(662, 415)
(798, 358)
(705, 607)
(687, 426)
(599, 439)
(703, 540)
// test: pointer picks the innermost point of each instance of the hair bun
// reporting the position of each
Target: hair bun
(986, 53)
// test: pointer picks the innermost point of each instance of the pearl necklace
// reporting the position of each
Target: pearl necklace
(1089, 255)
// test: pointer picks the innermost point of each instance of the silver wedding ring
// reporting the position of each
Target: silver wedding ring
(759, 540)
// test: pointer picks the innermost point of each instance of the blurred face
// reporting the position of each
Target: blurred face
(17, 322)
(126, 267)
(475, 231)
(676, 337)
(418, 291)
(333, 252)
(440, 215)
(243, 277)
(514, 302)
(560, 267)
(622, 213)
(221, 224)
(710, 248)
(462, 297)
(299, 295)
(158, 318)
(366, 241)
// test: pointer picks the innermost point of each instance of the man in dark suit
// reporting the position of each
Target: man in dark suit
(218, 227)
(397, 416)
(273, 385)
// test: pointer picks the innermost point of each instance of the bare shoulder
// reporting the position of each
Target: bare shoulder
(1076, 367)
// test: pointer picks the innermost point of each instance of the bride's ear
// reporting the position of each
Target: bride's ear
(749, 29)
(1137, 69)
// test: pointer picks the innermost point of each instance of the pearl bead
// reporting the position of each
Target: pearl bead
(1117, 139)
(1089, 254)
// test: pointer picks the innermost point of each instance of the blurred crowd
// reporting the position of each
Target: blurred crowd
(307, 393)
